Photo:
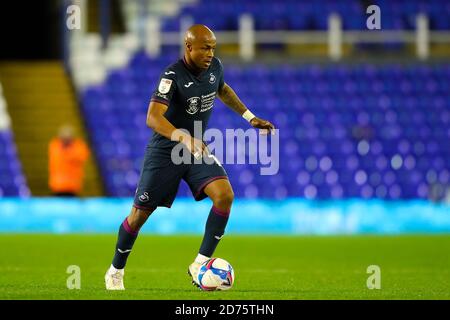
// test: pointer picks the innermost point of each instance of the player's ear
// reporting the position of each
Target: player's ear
(189, 46)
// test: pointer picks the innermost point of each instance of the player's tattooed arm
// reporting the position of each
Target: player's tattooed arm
(230, 98)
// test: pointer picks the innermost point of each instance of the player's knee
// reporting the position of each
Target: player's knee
(144, 213)
(138, 217)
(224, 199)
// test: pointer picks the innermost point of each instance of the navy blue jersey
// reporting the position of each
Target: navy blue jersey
(189, 97)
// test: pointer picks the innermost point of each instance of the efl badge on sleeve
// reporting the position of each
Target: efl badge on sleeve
(164, 85)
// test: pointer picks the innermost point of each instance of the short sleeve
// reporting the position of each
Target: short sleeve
(166, 87)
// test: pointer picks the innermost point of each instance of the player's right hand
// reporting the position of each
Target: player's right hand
(196, 147)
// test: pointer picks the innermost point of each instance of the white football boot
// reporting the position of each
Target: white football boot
(114, 279)
(193, 270)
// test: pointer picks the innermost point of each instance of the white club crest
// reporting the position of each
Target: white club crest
(144, 197)
(212, 78)
(193, 105)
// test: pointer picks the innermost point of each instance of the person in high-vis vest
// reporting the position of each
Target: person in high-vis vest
(67, 158)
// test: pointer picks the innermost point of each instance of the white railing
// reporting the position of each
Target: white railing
(247, 37)
(5, 120)
(90, 61)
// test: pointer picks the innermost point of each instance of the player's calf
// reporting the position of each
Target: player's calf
(214, 230)
(222, 195)
(127, 235)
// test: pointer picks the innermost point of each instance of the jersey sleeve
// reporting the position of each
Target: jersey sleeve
(166, 87)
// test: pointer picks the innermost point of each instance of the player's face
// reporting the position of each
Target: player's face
(202, 52)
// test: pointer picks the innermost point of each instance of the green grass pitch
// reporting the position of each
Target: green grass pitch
(267, 267)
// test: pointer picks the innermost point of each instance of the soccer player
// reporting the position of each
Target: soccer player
(185, 94)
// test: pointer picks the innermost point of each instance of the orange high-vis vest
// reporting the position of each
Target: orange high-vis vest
(66, 165)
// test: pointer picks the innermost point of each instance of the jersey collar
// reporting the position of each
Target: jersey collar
(194, 72)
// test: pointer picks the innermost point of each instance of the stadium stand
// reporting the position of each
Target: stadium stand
(345, 131)
(309, 15)
(12, 180)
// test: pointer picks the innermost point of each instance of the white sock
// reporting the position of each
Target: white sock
(114, 270)
(201, 258)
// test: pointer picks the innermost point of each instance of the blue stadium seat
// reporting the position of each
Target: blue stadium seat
(345, 131)
(12, 181)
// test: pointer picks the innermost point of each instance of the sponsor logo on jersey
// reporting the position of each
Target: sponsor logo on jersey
(188, 84)
(207, 101)
(164, 85)
(169, 72)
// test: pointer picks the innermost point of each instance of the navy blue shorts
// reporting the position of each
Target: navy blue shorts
(160, 179)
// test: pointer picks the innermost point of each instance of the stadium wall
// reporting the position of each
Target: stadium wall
(292, 216)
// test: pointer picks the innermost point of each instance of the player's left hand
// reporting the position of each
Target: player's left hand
(265, 125)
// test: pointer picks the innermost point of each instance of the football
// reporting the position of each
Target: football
(216, 274)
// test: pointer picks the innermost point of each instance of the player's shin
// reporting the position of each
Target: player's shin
(214, 230)
(125, 242)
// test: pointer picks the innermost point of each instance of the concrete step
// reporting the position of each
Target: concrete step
(40, 98)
